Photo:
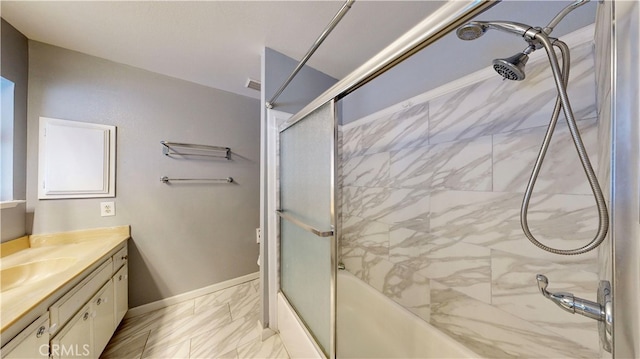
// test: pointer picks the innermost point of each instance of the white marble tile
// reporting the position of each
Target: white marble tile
(154, 319)
(515, 290)
(248, 307)
(462, 266)
(367, 171)
(233, 294)
(514, 154)
(407, 288)
(408, 208)
(233, 354)
(173, 351)
(494, 106)
(492, 219)
(403, 129)
(409, 247)
(494, 333)
(271, 348)
(462, 165)
(184, 328)
(359, 232)
(125, 346)
(351, 201)
(224, 339)
(256, 285)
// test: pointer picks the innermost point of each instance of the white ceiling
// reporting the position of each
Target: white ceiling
(215, 43)
(219, 43)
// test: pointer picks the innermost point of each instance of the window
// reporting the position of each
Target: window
(6, 140)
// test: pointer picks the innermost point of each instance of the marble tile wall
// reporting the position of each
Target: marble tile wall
(429, 212)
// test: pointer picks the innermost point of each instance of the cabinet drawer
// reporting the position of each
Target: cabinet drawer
(71, 302)
(120, 258)
(31, 343)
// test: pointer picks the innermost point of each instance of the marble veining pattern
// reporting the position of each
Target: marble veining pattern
(464, 165)
(561, 172)
(223, 324)
(430, 200)
(495, 106)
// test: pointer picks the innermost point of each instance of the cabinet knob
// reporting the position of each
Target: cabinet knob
(120, 277)
(125, 257)
(99, 301)
(41, 331)
(85, 316)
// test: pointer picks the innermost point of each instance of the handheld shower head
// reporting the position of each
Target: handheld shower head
(470, 31)
(474, 29)
(511, 68)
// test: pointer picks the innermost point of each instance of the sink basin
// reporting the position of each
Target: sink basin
(22, 274)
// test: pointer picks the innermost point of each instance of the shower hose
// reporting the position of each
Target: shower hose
(562, 101)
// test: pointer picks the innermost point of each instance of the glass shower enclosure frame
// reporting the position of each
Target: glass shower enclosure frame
(308, 221)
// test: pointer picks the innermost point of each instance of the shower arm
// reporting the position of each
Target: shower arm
(564, 12)
(562, 101)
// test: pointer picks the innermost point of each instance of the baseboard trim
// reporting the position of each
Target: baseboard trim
(162, 303)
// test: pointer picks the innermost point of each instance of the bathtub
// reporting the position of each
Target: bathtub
(370, 325)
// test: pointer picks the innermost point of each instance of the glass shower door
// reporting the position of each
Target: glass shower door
(307, 222)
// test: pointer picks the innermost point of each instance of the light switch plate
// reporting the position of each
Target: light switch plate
(107, 209)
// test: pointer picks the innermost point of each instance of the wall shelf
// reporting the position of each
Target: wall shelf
(171, 149)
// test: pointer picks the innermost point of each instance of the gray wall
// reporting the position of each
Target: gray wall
(308, 84)
(14, 66)
(185, 236)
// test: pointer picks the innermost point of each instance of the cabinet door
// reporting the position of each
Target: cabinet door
(121, 286)
(76, 338)
(31, 343)
(103, 322)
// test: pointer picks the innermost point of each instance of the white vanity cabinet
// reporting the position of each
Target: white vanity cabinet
(31, 343)
(99, 302)
(75, 339)
(103, 314)
(121, 293)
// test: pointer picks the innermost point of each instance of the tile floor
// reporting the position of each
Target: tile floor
(223, 324)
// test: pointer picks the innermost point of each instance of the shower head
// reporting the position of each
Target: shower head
(511, 68)
(471, 31)
(474, 29)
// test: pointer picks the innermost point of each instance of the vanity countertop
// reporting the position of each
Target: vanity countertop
(50, 262)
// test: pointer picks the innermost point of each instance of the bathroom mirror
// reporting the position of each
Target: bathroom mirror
(75, 159)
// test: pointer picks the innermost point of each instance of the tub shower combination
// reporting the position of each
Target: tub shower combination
(420, 204)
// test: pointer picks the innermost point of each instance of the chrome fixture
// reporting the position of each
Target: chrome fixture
(189, 149)
(303, 225)
(167, 180)
(440, 23)
(474, 29)
(332, 24)
(602, 311)
(512, 68)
